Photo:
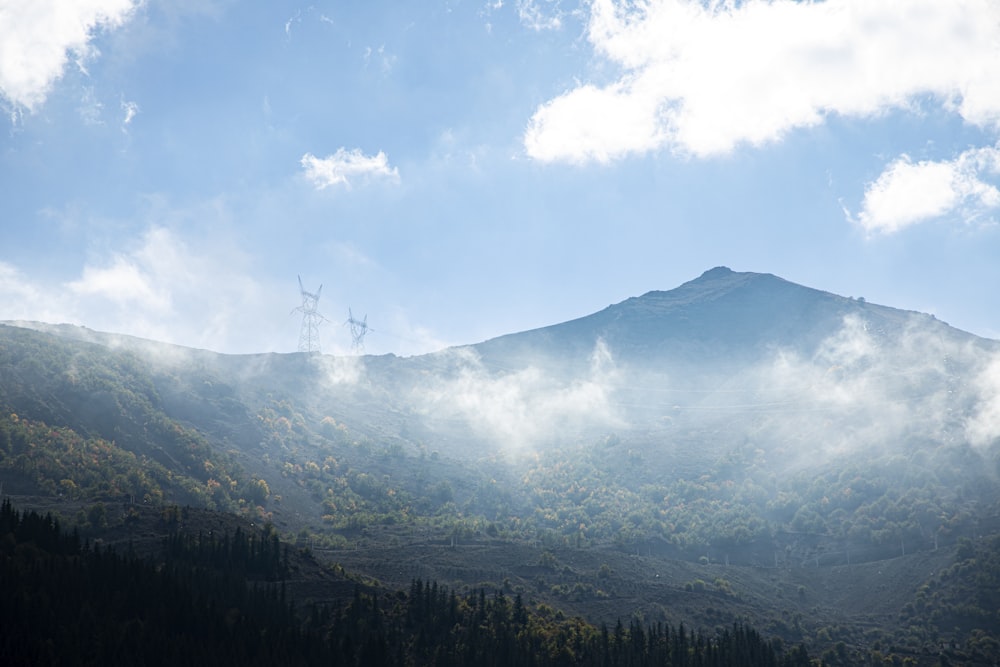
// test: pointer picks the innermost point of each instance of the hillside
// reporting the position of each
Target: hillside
(739, 447)
(227, 599)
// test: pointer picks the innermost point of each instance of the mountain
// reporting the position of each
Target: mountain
(767, 450)
(722, 313)
(726, 360)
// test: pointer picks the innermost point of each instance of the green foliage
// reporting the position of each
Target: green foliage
(67, 603)
(64, 603)
(964, 596)
(89, 422)
(60, 461)
(492, 629)
(97, 425)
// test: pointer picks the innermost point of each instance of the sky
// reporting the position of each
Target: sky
(460, 170)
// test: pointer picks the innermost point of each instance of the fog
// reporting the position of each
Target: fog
(982, 426)
(861, 389)
(340, 371)
(870, 386)
(518, 409)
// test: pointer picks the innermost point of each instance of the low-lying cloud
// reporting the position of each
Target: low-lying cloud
(865, 390)
(520, 409)
(862, 389)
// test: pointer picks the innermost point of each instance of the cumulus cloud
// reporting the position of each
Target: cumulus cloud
(346, 166)
(701, 78)
(908, 192)
(38, 38)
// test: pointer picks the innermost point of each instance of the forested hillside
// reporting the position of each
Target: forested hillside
(739, 449)
(221, 601)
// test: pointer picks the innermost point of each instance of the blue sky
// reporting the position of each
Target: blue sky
(461, 170)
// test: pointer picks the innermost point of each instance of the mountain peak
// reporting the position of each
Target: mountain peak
(717, 272)
(722, 314)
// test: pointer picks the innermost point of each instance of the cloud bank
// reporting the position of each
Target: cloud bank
(863, 390)
(38, 37)
(346, 167)
(702, 78)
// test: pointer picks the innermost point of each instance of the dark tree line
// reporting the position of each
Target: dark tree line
(67, 603)
(432, 625)
(64, 603)
(250, 556)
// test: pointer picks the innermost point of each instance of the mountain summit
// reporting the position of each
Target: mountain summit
(722, 314)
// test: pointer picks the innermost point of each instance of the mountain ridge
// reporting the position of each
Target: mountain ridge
(722, 312)
(714, 286)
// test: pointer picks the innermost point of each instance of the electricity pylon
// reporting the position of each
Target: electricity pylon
(311, 319)
(359, 329)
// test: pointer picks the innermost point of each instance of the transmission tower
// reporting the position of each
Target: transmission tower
(359, 329)
(311, 319)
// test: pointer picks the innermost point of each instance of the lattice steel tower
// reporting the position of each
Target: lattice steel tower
(359, 328)
(311, 319)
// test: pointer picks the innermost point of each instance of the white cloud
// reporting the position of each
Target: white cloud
(346, 165)
(129, 110)
(865, 389)
(702, 78)
(297, 18)
(983, 426)
(123, 283)
(907, 193)
(520, 409)
(195, 292)
(19, 296)
(540, 15)
(37, 38)
(145, 288)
